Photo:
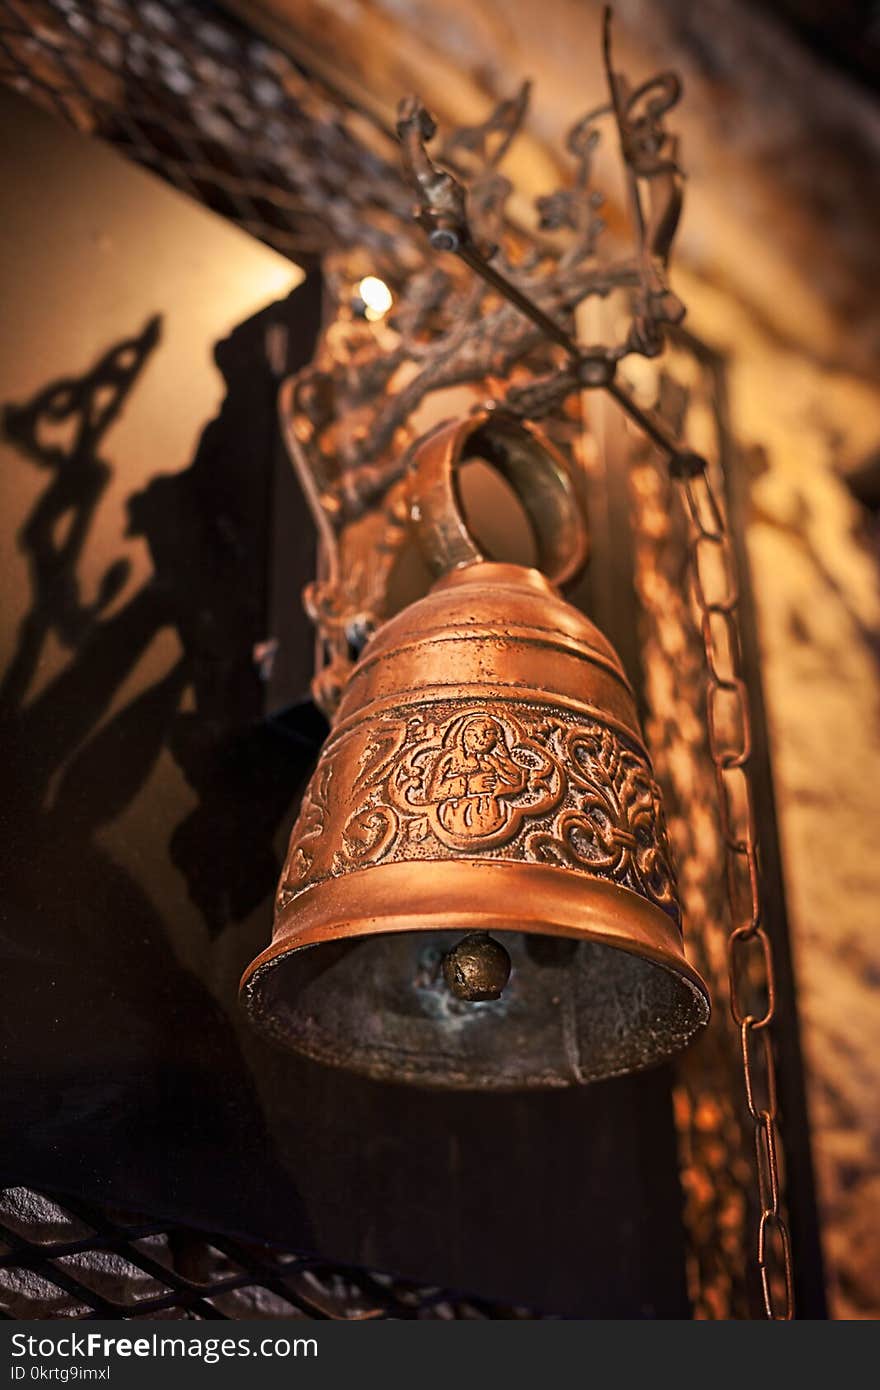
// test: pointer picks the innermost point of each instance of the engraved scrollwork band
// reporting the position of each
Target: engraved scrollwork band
(534, 785)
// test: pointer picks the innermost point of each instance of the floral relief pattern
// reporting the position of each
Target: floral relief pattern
(617, 827)
(531, 786)
(307, 829)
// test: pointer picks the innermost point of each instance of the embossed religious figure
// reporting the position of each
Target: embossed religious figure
(476, 780)
(472, 779)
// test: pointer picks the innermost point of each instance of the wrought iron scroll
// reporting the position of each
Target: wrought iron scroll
(352, 415)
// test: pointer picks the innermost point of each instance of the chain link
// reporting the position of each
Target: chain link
(749, 950)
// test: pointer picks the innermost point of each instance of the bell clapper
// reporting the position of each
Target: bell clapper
(477, 968)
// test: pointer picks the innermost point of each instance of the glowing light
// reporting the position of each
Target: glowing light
(376, 296)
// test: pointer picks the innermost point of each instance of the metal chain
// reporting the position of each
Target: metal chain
(749, 950)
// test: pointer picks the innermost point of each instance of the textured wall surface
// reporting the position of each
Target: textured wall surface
(815, 582)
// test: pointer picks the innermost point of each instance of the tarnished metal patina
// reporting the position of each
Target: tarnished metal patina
(485, 773)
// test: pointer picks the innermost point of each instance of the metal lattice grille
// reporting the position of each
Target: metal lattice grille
(222, 115)
(61, 1258)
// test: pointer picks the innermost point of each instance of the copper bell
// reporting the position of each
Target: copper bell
(485, 773)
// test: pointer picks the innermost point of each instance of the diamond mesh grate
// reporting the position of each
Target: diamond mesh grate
(186, 91)
(62, 1258)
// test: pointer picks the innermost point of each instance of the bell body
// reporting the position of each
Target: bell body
(485, 773)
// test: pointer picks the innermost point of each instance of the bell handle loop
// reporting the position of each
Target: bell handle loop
(536, 470)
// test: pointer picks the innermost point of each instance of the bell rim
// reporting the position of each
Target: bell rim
(567, 903)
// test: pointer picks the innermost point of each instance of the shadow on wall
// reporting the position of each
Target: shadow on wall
(126, 1081)
(123, 1075)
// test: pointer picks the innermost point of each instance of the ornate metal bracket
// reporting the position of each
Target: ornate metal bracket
(500, 330)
